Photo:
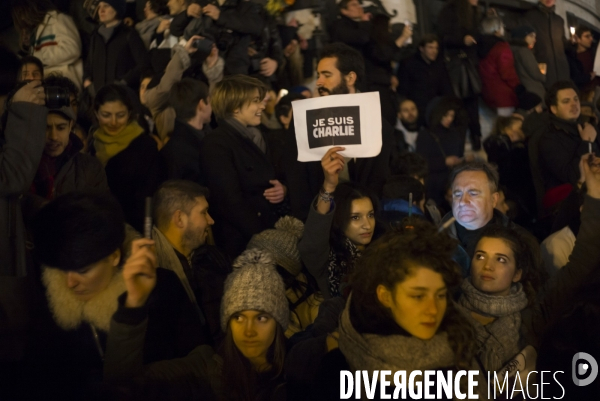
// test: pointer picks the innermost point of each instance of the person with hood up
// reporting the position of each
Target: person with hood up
(529, 71)
(442, 144)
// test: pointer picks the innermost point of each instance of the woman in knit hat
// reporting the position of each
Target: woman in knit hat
(117, 53)
(529, 71)
(340, 225)
(301, 288)
(249, 363)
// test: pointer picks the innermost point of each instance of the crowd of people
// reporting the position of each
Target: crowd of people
(160, 240)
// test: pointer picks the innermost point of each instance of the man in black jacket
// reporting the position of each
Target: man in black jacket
(340, 70)
(353, 26)
(423, 77)
(565, 141)
(181, 155)
(550, 45)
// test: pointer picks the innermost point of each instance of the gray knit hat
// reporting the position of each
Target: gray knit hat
(255, 284)
(282, 243)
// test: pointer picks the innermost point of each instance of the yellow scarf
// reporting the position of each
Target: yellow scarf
(108, 146)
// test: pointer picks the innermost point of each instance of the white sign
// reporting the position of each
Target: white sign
(352, 121)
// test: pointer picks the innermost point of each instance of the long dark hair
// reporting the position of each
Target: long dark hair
(27, 15)
(241, 381)
(390, 260)
(533, 276)
(345, 194)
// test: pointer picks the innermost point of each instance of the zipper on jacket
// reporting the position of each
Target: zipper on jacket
(97, 341)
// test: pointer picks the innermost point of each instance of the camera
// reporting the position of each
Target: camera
(57, 97)
(204, 46)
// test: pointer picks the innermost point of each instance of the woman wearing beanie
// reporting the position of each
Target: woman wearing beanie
(400, 314)
(50, 36)
(81, 242)
(339, 227)
(249, 363)
(301, 288)
(117, 53)
(529, 71)
(129, 155)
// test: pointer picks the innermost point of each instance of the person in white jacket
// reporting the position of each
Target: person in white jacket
(50, 36)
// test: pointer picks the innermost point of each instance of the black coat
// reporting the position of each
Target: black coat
(422, 82)
(576, 71)
(550, 45)
(452, 34)
(122, 58)
(237, 173)
(353, 33)
(304, 179)
(134, 174)
(67, 365)
(560, 149)
(181, 155)
(435, 147)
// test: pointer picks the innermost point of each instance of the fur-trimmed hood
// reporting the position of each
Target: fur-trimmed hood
(69, 312)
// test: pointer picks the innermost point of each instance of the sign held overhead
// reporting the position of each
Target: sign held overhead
(352, 121)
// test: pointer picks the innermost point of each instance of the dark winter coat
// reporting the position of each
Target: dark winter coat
(353, 33)
(122, 59)
(239, 24)
(435, 145)
(527, 69)
(181, 155)
(560, 149)
(237, 173)
(497, 71)
(422, 82)
(576, 70)
(67, 364)
(134, 174)
(452, 34)
(21, 149)
(550, 45)
(79, 172)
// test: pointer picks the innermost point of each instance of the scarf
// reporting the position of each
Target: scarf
(108, 146)
(48, 169)
(69, 312)
(167, 259)
(251, 133)
(339, 269)
(498, 341)
(394, 352)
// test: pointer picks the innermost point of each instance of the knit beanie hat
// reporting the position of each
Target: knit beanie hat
(521, 32)
(255, 284)
(282, 243)
(119, 6)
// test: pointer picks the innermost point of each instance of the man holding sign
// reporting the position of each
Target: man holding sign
(340, 71)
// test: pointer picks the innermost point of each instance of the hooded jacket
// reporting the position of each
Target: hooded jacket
(527, 68)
